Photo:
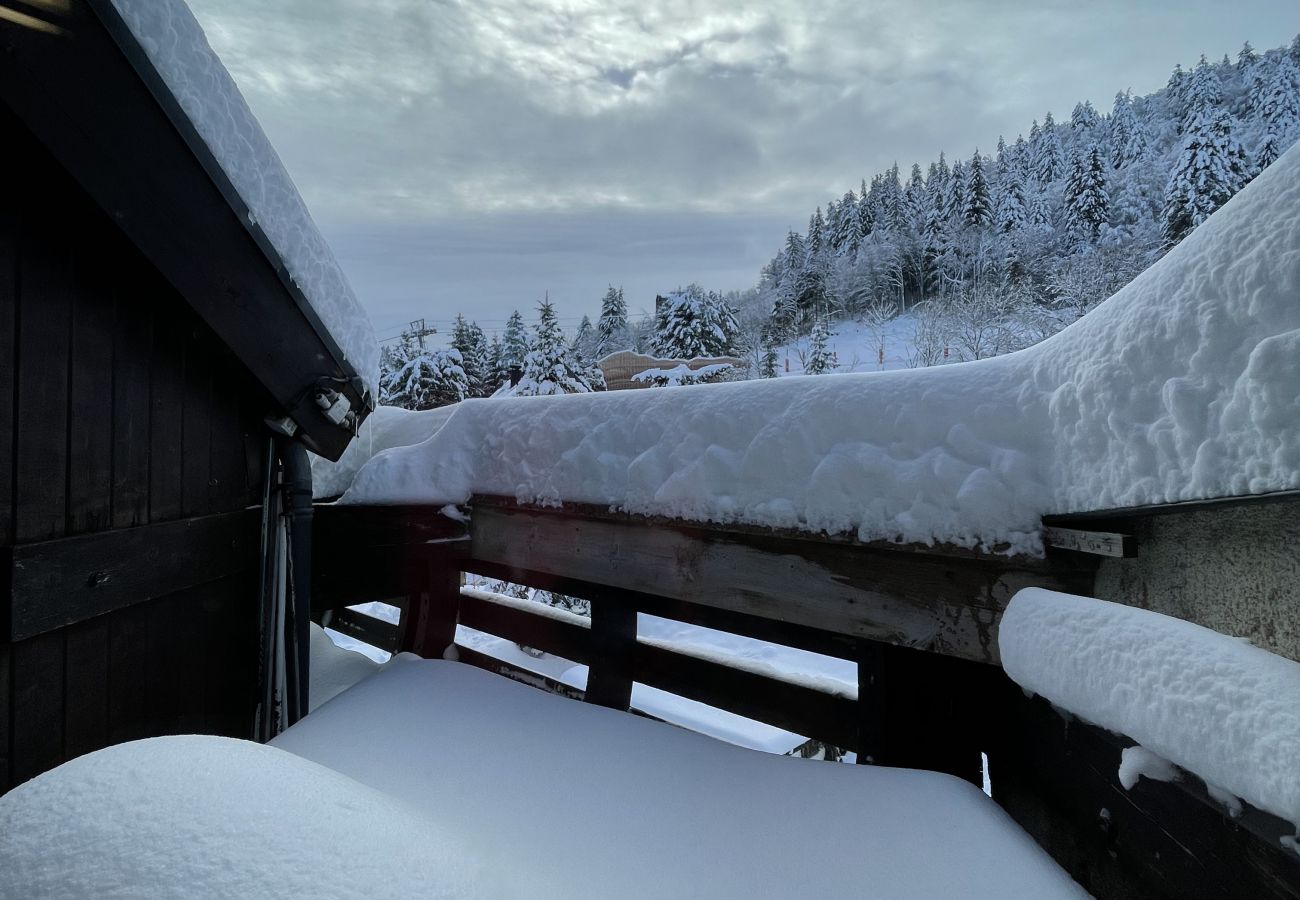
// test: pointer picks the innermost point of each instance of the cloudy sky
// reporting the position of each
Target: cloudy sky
(468, 155)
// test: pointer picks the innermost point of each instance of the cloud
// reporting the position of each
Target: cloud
(421, 116)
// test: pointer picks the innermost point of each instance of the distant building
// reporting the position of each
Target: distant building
(620, 368)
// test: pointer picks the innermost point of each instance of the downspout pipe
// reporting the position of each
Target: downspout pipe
(296, 490)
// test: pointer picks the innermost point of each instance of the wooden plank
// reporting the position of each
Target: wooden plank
(364, 628)
(9, 230)
(196, 425)
(129, 660)
(90, 437)
(102, 110)
(56, 583)
(166, 412)
(516, 673)
(38, 703)
(44, 323)
(613, 655)
(433, 613)
(230, 640)
(1058, 777)
(946, 605)
(86, 687)
(6, 707)
(132, 352)
(787, 634)
(783, 704)
(551, 635)
(780, 703)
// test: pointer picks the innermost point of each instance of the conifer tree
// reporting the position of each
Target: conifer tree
(469, 340)
(768, 368)
(611, 328)
(549, 368)
(514, 343)
(417, 377)
(978, 210)
(693, 323)
(584, 343)
(1048, 155)
(820, 361)
(496, 365)
(1246, 58)
(1012, 212)
(1211, 168)
(1086, 201)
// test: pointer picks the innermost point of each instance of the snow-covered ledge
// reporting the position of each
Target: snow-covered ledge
(1214, 705)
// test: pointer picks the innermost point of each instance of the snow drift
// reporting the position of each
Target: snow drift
(595, 803)
(1182, 386)
(214, 817)
(1212, 704)
(179, 51)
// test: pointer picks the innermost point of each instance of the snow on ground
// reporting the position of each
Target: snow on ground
(193, 817)
(334, 668)
(601, 804)
(1180, 387)
(1214, 705)
(179, 51)
(857, 347)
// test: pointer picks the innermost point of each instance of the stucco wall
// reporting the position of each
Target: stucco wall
(1236, 570)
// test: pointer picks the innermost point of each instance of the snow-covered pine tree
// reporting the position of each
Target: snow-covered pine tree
(978, 211)
(1012, 212)
(1279, 106)
(820, 360)
(584, 343)
(417, 377)
(1049, 157)
(694, 323)
(549, 368)
(500, 373)
(1246, 58)
(768, 366)
(468, 338)
(1127, 136)
(1086, 201)
(1267, 153)
(1210, 169)
(514, 343)
(611, 328)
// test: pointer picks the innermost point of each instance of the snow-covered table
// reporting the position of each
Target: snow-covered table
(596, 803)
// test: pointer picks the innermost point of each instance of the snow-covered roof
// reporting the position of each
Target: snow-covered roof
(1182, 386)
(177, 48)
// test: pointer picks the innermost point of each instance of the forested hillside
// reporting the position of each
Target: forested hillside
(984, 253)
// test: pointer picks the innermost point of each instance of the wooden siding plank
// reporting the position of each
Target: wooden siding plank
(56, 583)
(132, 351)
(613, 655)
(38, 703)
(6, 707)
(129, 699)
(9, 229)
(166, 410)
(90, 439)
(86, 686)
(44, 331)
(196, 428)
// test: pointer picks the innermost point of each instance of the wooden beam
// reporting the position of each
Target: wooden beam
(947, 604)
(1099, 543)
(56, 583)
(613, 642)
(364, 628)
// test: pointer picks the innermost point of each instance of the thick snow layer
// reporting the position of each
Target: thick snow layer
(600, 804)
(193, 816)
(1182, 386)
(1139, 762)
(334, 669)
(1214, 705)
(178, 49)
(386, 427)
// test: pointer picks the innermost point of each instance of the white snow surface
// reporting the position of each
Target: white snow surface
(1214, 705)
(195, 816)
(386, 427)
(1181, 386)
(179, 51)
(1139, 762)
(597, 803)
(334, 668)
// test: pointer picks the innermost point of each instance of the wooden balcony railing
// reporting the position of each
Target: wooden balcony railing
(919, 623)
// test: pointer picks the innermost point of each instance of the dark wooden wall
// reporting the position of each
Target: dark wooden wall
(118, 409)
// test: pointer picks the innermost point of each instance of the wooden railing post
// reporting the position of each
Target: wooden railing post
(429, 621)
(613, 649)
